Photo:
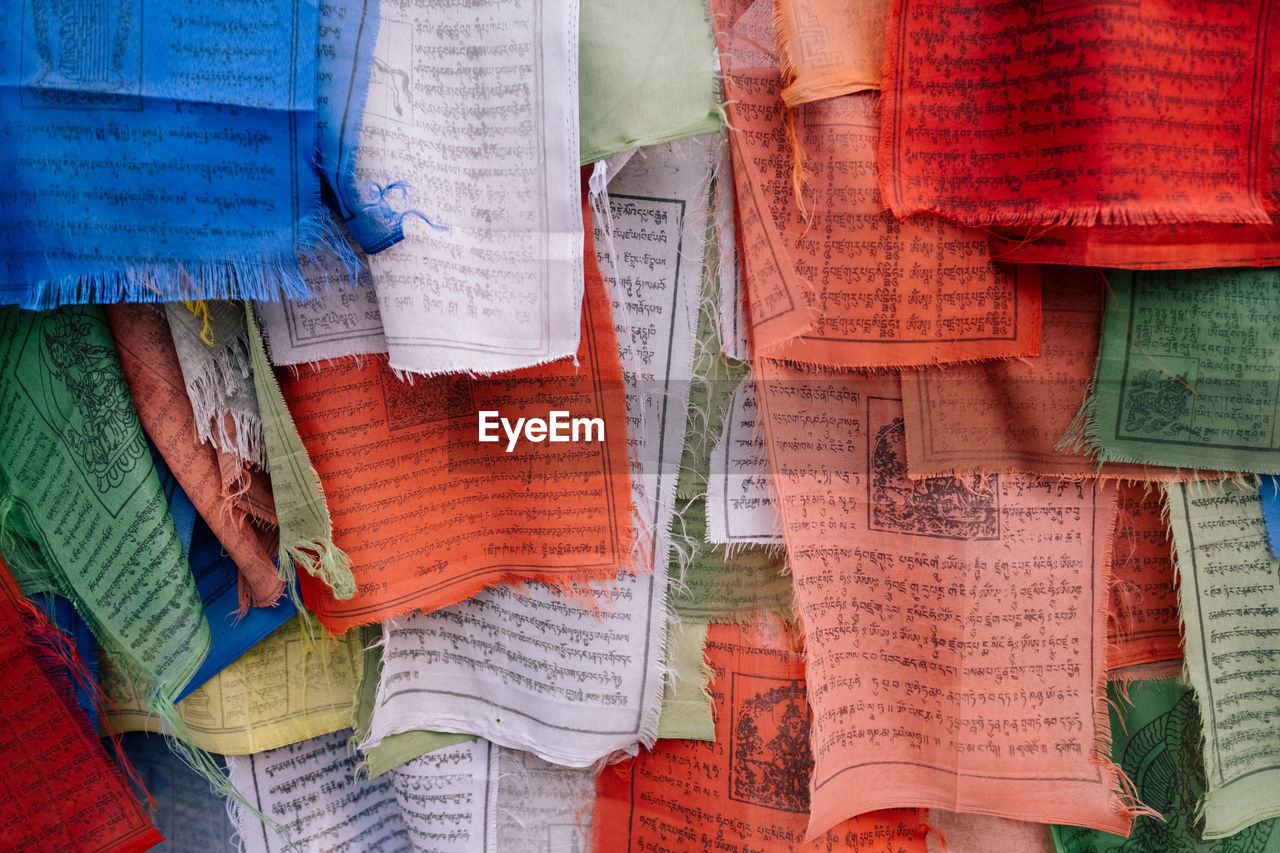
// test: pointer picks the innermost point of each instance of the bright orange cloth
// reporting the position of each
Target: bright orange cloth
(428, 515)
(749, 790)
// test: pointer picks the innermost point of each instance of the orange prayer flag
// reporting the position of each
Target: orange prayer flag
(748, 790)
(830, 277)
(428, 515)
(829, 47)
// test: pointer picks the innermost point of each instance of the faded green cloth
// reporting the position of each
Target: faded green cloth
(396, 749)
(1229, 597)
(646, 74)
(723, 588)
(82, 512)
(1156, 740)
(686, 698)
(707, 585)
(306, 532)
(714, 379)
(1186, 372)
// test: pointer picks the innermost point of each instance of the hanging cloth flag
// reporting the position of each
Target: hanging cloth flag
(345, 61)
(472, 126)
(1144, 626)
(239, 510)
(212, 343)
(831, 277)
(1185, 373)
(753, 780)
(427, 513)
(1230, 586)
(1039, 114)
(829, 47)
(158, 151)
(285, 689)
(931, 681)
(62, 792)
(82, 508)
(646, 74)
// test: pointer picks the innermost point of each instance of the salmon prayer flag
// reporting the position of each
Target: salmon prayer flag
(1145, 627)
(60, 790)
(749, 790)
(956, 627)
(428, 514)
(1069, 113)
(829, 47)
(996, 416)
(831, 278)
(238, 510)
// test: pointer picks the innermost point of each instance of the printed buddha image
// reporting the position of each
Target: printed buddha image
(772, 761)
(937, 506)
(1156, 402)
(98, 420)
(84, 47)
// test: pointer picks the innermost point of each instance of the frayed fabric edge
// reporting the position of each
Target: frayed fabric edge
(267, 277)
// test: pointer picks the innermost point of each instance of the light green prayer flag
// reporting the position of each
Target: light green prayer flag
(686, 698)
(646, 74)
(82, 513)
(306, 532)
(1229, 597)
(1156, 740)
(708, 584)
(395, 749)
(1186, 373)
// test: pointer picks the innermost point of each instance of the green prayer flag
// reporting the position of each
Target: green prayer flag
(723, 587)
(686, 698)
(306, 531)
(646, 74)
(1156, 740)
(82, 513)
(1186, 372)
(707, 583)
(1229, 599)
